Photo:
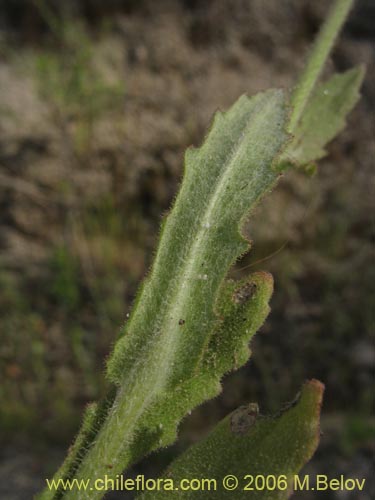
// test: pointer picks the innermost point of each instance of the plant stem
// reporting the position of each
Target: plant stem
(317, 58)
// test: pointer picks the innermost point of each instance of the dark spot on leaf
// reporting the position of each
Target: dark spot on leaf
(181, 322)
(243, 418)
(243, 294)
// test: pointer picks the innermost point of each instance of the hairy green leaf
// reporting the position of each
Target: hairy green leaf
(188, 327)
(246, 443)
(317, 58)
(324, 117)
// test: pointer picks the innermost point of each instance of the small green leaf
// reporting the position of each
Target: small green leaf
(324, 117)
(317, 58)
(245, 443)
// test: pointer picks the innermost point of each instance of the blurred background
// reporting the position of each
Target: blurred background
(98, 101)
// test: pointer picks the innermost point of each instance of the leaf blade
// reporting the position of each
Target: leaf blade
(324, 117)
(159, 364)
(276, 446)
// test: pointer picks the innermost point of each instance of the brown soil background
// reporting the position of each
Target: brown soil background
(86, 172)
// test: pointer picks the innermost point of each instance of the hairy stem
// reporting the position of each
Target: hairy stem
(318, 56)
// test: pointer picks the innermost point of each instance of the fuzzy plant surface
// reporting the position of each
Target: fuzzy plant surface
(189, 325)
(274, 447)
